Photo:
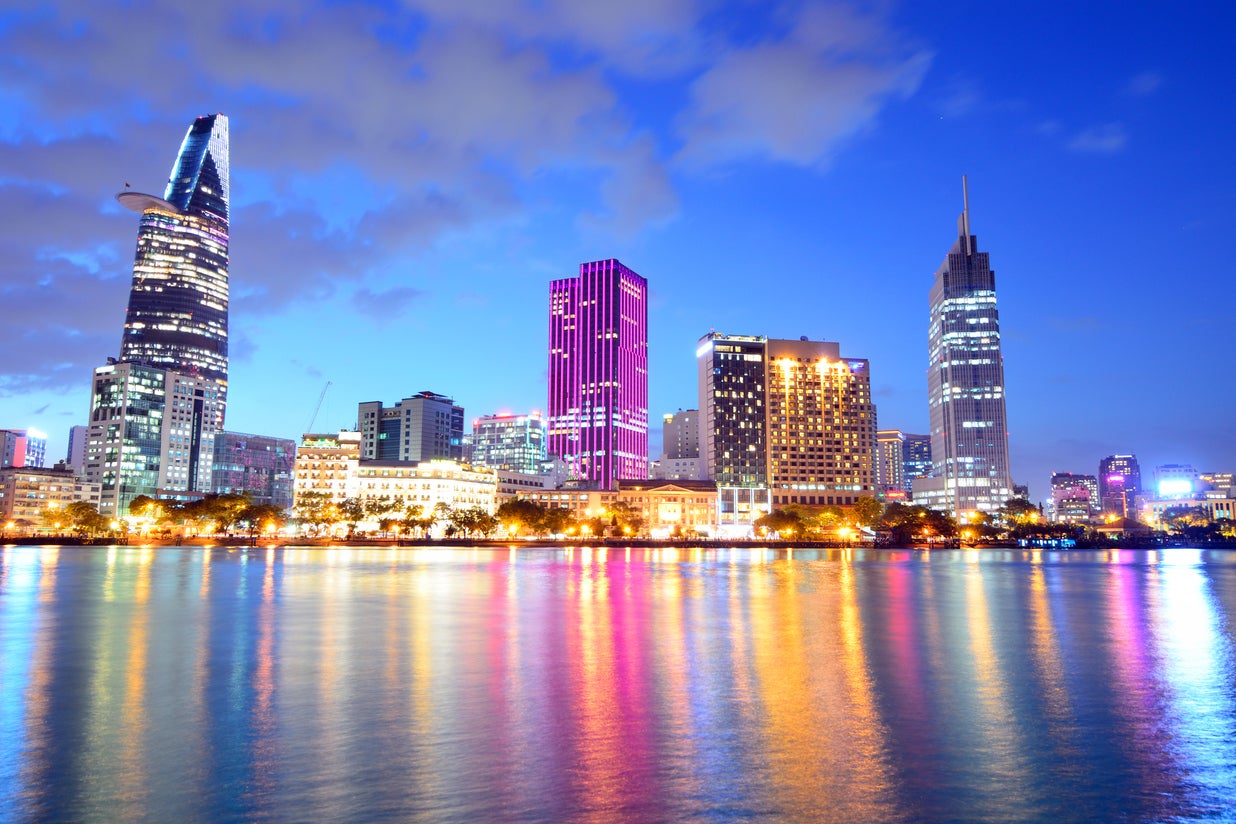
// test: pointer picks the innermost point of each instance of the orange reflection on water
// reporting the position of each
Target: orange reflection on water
(265, 752)
(1000, 739)
(134, 785)
(1045, 649)
(814, 695)
(599, 771)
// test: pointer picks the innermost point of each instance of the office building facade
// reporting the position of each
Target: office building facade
(22, 447)
(965, 384)
(155, 412)
(424, 427)
(821, 424)
(259, 466)
(792, 417)
(177, 317)
(76, 458)
(1074, 498)
(152, 432)
(511, 442)
(598, 373)
(1120, 482)
(680, 447)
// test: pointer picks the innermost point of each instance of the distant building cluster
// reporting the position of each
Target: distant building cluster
(779, 421)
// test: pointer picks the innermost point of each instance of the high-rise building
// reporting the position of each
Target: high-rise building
(513, 442)
(1120, 482)
(598, 373)
(890, 460)
(965, 383)
(424, 427)
(22, 447)
(154, 413)
(259, 466)
(1074, 498)
(732, 379)
(917, 452)
(152, 432)
(821, 424)
(1176, 481)
(78, 435)
(790, 416)
(178, 304)
(680, 447)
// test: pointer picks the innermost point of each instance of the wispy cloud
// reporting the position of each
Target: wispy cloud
(1106, 139)
(798, 98)
(1144, 84)
(388, 304)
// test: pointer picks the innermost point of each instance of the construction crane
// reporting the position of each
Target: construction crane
(314, 416)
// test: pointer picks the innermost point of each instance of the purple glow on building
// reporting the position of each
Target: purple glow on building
(598, 373)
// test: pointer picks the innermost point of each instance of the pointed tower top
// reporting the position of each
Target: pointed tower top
(963, 222)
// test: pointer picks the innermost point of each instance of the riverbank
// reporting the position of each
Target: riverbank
(239, 541)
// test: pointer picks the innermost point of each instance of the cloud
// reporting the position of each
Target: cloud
(1106, 139)
(364, 132)
(386, 305)
(1144, 84)
(799, 98)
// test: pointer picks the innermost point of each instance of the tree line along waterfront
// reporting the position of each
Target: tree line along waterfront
(318, 517)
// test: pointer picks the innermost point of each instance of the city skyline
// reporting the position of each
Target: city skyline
(1094, 156)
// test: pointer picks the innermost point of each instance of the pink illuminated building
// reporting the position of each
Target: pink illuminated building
(598, 374)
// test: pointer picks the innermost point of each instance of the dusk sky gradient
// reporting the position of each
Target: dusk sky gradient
(407, 178)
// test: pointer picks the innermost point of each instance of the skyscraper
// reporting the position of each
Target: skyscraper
(177, 314)
(1074, 498)
(1120, 482)
(680, 447)
(598, 373)
(514, 442)
(154, 413)
(790, 416)
(965, 383)
(821, 424)
(424, 427)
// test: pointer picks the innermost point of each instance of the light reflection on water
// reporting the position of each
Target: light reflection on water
(592, 684)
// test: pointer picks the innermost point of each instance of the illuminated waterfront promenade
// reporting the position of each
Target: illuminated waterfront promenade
(596, 683)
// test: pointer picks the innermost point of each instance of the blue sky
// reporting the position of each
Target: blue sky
(407, 178)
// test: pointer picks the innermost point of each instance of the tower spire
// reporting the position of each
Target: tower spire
(964, 223)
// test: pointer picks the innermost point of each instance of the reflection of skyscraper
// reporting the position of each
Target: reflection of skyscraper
(965, 383)
(1120, 481)
(177, 315)
(598, 373)
(154, 414)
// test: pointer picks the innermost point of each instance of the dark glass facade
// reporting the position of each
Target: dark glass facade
(731, 383)
(259, 466)
(177, 316)
(1120, 482)
(965, 383)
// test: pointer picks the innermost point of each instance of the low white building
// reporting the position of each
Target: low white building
(27, 494)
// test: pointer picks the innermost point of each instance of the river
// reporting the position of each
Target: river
(557, 684)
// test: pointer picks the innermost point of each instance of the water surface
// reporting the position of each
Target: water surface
(591, 684)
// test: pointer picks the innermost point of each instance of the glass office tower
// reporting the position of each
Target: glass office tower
(155, 412)
(598, 373)
(965, 383)
(178, 304)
